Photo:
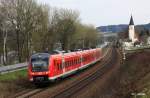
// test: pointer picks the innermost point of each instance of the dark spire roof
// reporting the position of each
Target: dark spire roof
(131, 21)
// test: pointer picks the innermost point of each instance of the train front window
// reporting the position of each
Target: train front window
(40, 64)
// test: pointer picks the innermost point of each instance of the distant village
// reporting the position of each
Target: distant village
(131, 35)
(136, 39)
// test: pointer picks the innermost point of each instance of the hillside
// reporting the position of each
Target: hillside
(119, 28)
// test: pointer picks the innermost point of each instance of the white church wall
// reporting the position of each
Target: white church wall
(131, 32)
(148, 40)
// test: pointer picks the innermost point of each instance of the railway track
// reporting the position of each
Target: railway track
(12, 68)
(28, 93)
(75, 86)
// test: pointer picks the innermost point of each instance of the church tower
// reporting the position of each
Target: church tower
(132, 35)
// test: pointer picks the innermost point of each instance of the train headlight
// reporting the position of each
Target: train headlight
(31, 79)
(46, 72)
(33, 73)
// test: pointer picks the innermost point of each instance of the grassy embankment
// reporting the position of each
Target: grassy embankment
(14, 75)
(13, 82)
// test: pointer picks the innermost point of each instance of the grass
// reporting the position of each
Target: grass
(14, 75)
(13, 82)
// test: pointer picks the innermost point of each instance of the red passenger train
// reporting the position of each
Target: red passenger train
(45, 67)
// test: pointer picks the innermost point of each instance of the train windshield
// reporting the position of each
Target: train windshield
(40, 63)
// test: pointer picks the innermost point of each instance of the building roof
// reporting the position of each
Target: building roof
(131, 21)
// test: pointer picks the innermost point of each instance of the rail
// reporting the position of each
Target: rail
(12, 68)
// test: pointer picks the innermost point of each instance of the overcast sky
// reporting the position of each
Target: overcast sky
(107, 12)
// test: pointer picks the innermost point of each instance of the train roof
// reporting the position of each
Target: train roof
(57, 53)
(43, 55)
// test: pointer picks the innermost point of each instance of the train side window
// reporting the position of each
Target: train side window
(58, 66)
(61, 66)
(83, 59)
(65, 63)
(72, 61)
(76, 60)
(69, 63)
(55, 63)
(79, 60)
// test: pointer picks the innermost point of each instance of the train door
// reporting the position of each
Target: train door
(63, 63)
(59, 67)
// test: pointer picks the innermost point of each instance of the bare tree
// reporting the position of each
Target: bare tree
(26, 26)
(66, 26)
(5, 27)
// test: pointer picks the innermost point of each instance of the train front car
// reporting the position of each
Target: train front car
(38, 69)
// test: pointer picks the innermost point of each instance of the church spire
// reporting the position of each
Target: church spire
(131, 21)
